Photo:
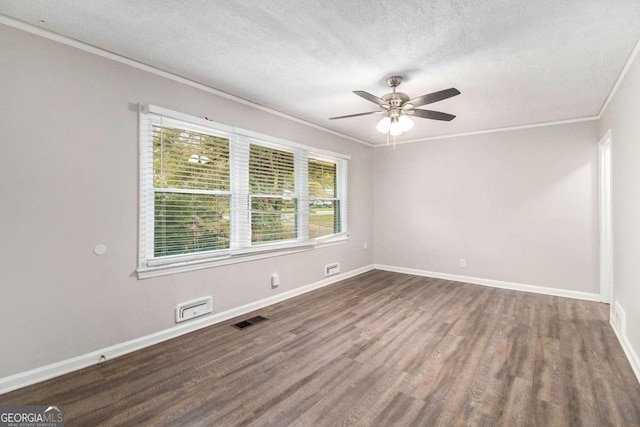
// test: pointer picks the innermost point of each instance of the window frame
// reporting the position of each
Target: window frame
(338, 196)
(294, 195)
(241, 249)
(151, 191)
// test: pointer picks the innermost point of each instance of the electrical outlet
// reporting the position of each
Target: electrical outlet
(463, 262)
(365, 247)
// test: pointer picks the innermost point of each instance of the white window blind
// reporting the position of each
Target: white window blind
(210, 192)
(324, 198)
(273, 202)
(191, 186)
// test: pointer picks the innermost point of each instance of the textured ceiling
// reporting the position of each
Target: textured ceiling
(515, 62)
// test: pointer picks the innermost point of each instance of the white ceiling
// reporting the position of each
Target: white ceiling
(515, 62)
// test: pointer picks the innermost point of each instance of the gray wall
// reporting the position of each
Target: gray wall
(519, 206)
(69, 174)
(622, 116)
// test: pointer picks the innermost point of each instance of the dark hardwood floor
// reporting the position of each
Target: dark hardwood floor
(381, 349)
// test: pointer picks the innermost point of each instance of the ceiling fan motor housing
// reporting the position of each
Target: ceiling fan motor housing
(397, 105)
(395, 99)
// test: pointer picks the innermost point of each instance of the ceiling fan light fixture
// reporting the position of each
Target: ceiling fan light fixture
(397, 107)
(405, 123)
(384, 125)
(395, 128)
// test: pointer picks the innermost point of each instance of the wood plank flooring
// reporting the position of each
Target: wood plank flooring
(380, 349)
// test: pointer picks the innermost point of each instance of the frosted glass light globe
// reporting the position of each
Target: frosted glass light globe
(405, 123)
(396, 128)
(383, 125)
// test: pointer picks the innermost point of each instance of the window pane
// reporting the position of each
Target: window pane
(189, 160)
(322, 179)
(270, 171)
(324, 210)
(324, 218)
(273, 219)
(187, 223)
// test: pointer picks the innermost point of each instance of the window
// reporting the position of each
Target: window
(211, 194)
(191, 189)
(324, 206)
(273, 202)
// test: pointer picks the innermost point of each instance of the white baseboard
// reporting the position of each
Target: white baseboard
(43, 373)
(494, 283)
(621, 334)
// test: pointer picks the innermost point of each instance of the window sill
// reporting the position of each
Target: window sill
(200, 264)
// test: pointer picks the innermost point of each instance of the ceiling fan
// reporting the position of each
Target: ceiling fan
(397, 107)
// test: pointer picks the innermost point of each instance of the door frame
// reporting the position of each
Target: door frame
(606, 225)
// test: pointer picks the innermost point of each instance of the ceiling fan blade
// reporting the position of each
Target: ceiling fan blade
(356, 115)
(433, 115)
(366, 95)
(433, 97)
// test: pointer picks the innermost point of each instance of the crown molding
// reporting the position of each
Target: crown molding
(621, 77)
(494, 130)
(11, 22)
(50, 35)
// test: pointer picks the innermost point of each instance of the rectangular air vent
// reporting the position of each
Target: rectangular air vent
(192, 309)
(331, 269)
(249, 322)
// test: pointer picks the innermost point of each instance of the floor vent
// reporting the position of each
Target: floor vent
(249, 322)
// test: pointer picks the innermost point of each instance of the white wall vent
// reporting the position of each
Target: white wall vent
(191, 309)
(331, 269)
